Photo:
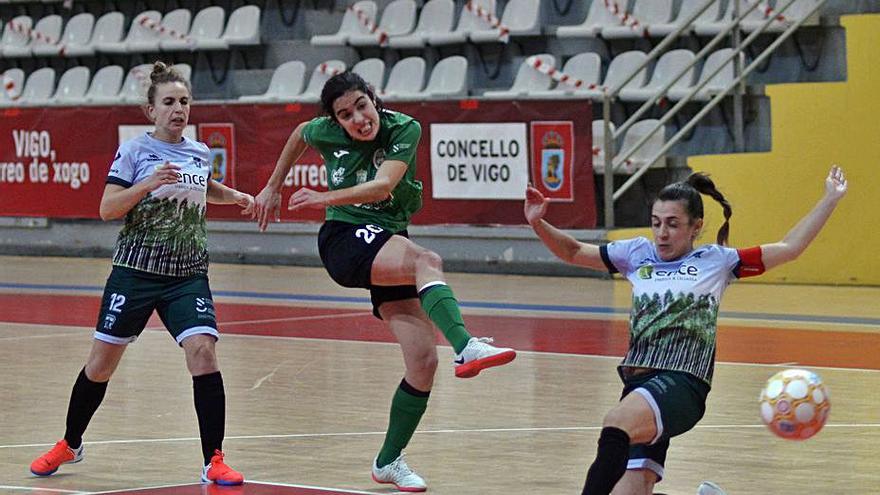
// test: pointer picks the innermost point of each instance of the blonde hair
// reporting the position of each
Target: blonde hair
(162, 74)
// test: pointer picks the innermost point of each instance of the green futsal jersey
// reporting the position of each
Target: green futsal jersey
(350, 162)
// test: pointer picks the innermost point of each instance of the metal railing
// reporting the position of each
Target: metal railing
(613, 163)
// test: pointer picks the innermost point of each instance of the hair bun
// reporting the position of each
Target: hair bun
(159, 69)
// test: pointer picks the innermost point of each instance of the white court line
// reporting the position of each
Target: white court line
(141, 489)
(275, 320)
(309, 487)
(34, 488)
(46, 336)
(545, 429)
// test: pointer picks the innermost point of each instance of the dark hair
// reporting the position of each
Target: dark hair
(342, 83)
(689, 191)
(163, 74)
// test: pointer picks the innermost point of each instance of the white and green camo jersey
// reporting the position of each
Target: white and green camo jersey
(165, 232)
(674, 314)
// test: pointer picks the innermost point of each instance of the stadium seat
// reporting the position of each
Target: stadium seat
(17, 77)
(714, 19)
(75, 40)
(105, 85)
(372, 70)
(685, 11)
(204, 34)
(319, 76)
(648, 13)
(641, 157)
(135, 85)
(716, 84)
(184, 70)
(286, 84)
(598, 16)
(448, 78)
(669, 65)
(139, 37)
(398, 18)
(50, 29)
(619, 69)
(177, 21)
(243, 28)
(406, 79)
(521, 17)
(585, 66)
(16, 43)
(108, 32)
(142, 39)
(796, 11)
(527, 80)
(437, 16)
(39, 87)
(468, 22)
(72, 87)
(350, 25)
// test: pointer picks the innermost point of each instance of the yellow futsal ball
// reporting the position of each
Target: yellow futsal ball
(795, 404)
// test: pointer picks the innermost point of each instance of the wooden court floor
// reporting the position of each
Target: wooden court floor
(309, 375)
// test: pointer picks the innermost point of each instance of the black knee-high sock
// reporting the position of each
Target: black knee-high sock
(85, 398)
(610, 463)
(210, 400)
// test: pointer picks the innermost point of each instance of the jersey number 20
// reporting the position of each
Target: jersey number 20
(368, 233)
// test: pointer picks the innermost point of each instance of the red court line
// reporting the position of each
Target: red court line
(528, 333)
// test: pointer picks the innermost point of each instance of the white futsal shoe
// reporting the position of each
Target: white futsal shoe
(709, 488)
(400, 475)
(478, 355)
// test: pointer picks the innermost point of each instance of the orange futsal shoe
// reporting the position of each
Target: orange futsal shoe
(60, 454)
(479, 355)
(218, 472)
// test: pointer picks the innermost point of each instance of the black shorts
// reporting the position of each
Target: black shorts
(348, 250)
(184, 304)
(679, 402)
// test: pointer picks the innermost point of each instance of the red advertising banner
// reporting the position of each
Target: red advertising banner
(54, 161)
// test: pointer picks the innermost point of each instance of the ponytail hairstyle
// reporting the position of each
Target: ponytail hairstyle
(689, 192)
(342, 83)
(162, 74)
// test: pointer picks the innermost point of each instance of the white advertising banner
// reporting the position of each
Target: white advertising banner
(479, 161)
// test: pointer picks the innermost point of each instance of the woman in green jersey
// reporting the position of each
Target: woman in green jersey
(160, 183)
(677, 288)
(370, 155)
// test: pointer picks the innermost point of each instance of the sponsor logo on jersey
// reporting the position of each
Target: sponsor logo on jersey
(378, 157)
(340, 153)
(338, 176)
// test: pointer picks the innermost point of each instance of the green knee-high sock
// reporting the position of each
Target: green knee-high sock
(441, 307)
(407, 408)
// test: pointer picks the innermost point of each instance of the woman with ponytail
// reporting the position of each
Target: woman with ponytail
(677, 288)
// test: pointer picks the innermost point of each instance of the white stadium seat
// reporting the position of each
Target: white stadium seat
(448, 78)
(526, 81)
(406, 79)
(437, 16)
(398, 18)
(372, 70)
(286, 84)
(350, 25)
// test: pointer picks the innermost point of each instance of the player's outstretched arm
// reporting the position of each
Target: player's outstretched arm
(564, 246)
(267, 204)
(802, 234)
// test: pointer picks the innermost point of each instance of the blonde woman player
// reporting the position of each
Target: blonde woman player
(160, 182)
